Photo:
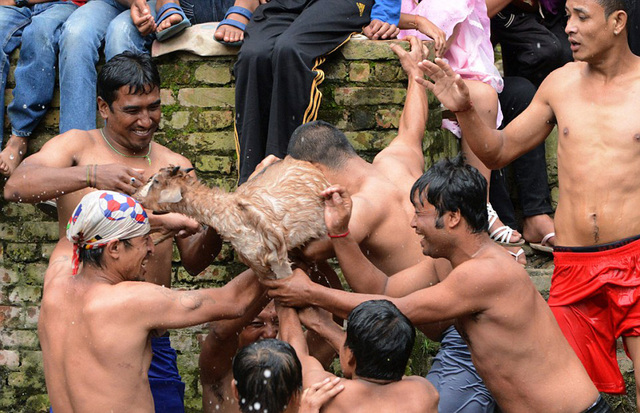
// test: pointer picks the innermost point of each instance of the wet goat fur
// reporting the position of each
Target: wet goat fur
(277, 210)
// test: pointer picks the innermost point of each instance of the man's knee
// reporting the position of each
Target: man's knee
(254, 53)
(79, 37)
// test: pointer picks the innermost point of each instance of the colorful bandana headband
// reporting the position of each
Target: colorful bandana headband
(104, 216)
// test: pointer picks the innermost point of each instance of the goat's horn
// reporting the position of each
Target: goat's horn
(175, 170)
(188, 170)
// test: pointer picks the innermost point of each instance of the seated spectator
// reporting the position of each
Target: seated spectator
(516, 344)
(96, 347)
(468, 49)
(36, 28)
(277, 72)
(373, 356)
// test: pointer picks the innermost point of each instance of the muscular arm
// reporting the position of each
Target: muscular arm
(494, 148)
(162, 308)
(52, 172)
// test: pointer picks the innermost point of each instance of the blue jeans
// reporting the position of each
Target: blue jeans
(97, 23)
(38, 29)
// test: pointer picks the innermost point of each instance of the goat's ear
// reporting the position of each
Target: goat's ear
(175, 170)
(170, 195)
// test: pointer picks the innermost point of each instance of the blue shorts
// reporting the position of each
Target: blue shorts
(166, 384)
(454, 376)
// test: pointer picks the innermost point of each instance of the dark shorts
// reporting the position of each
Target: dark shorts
(166, 384)
(594, 297)
(600, 406)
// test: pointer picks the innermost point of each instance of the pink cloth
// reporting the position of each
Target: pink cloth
(471, 53)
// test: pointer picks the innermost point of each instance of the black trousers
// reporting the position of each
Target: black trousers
(530, 170)
(532, 47)
(277, 73)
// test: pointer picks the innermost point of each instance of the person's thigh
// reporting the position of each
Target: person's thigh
(89, 23)
(12, 22)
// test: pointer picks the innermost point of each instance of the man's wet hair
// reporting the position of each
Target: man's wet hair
(610, 6)
(135, 70)
(381, 339)
(94, 256)
(268, 374)
(322, 143)
(452, 185)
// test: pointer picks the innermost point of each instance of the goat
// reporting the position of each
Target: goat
(277, 210)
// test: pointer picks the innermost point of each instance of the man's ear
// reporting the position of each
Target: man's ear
(234, 389)
(620, 19)
(103, 108)
(453, 219)
(113, 249)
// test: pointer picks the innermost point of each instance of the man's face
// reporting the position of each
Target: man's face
(590, 34)
(265, 325)
(424, 223)
(133, 119)
(136, 255)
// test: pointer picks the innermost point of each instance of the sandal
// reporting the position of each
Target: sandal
(542, 246)
(169, 9)
(517, 255)
(502, 234)
(230, 22)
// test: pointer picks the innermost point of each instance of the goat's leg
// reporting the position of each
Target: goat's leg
(281, 269)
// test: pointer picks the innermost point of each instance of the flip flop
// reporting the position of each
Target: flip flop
(169, 9)
(239, 25)
(517, 255)
(542, 245)
(502, 234)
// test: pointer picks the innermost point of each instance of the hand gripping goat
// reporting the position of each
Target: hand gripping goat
(277, 210)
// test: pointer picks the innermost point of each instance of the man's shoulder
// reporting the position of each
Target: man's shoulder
(75, 139)
(168, 157)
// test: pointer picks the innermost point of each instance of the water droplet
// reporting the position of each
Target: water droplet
(267, 373)
(11, 156)
(256, 405)
(24, 106)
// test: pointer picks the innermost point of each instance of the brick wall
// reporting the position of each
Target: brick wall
(363, 95)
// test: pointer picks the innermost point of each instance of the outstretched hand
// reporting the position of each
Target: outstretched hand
(409, 60)
(448, 86)
(293, 291)
(337, 209)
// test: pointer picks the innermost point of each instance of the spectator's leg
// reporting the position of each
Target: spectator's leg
(529, 49)
(122, 35)
(82, 35)
(12, 22)
(254, 82)
(322, 27)
(35, 77)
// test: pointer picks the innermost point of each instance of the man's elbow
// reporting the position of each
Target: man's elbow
(11, 192)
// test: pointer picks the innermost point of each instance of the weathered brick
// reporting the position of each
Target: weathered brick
(207, 97)
(359, 72)
(8, 232)
(38, 403)
(369, 50)
(213, 74)
(8, 275)
(356, 96)
(388, 72)
(10, 316)
(388, 118)
(39, 231)
(47, 249)
(21, 211)
(33, 273)
(212, 163)
(24, 339)
(9, 359)
(178, 120)
(334, 70)
(215, 119)
(166, 97)
(212, 141)
(31, 315)
(26, 294)
(23, 252)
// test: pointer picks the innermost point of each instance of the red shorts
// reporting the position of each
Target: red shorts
(594, 297)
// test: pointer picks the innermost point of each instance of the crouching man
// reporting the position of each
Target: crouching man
(95, 327)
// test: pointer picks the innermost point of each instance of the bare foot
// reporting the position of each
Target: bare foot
(536, 227)
(500, 232)
(13, 154)
(168, 22)
(230, 34)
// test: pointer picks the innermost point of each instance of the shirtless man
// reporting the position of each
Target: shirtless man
(515, 342)
(121, 157)
(95, 327)
(374, 353)
(594, 103)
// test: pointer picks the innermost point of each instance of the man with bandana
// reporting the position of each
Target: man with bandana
(120, 157)
(95, 326)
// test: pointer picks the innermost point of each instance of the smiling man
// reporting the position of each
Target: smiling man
(594, 103)
(95, 327)
(120, 157)
(515, 343)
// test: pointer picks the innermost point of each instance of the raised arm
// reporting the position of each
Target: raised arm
(53, 171)
(494, 148)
